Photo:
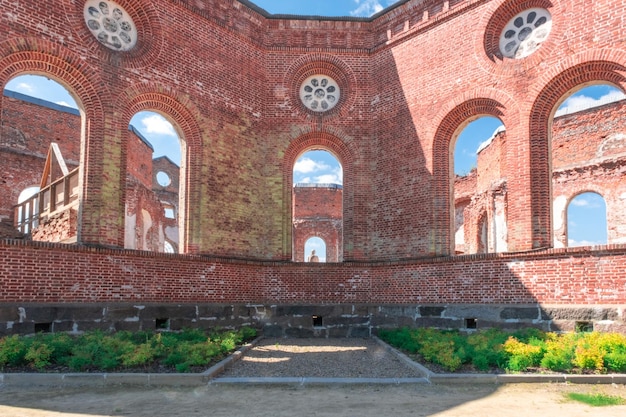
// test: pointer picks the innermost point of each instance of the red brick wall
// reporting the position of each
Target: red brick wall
(585, 136)
(139, 163)
(318, 212)
(50, 273)
(228, 78)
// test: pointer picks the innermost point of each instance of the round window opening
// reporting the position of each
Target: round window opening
(525, 33)
(163, 179)
(110, 24)
(319, 93)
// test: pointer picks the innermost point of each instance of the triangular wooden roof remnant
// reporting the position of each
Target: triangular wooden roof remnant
(55, 167)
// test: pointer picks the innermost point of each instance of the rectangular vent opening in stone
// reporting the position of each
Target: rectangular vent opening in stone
(584, 327)
(471, 323)
(43, 327)
(162, 324)
(317, 321)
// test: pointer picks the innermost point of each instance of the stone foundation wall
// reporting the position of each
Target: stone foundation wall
(309, 320)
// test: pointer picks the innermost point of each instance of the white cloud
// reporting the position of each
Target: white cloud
(366, 8)
(573, 243)
(580, 202)
(63, 103)
(328, 179)
(307, 165)
(25, 88)
(157, 124)
(582, 102)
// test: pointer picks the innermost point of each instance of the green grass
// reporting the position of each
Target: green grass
(596, 400)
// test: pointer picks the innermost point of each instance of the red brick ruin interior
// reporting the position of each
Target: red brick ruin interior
(107, 243)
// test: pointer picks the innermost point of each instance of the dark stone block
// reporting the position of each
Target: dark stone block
(346, 321)
(360, 332)
(131, 326)
(519, 313)
(9, 313)
(116, 313)
(85, 326)
(397, 311)
(215, 310)
(430, 311)
(272, 330)
(386, 321)
(180, 324)
(62, 326)
(581, 314)
(23, 328)
(299, 332)
(41, 314)
(168, 311)
(281, 311)
(440, 323)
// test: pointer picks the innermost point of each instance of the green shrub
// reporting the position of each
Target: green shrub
(559, 352)
(13, 350)
(141, 355)
(38, 355)
(523, 355)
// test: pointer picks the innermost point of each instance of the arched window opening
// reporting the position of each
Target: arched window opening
(318, 205)
(168, 247)
(47, 156)
(153, 182)
(586, 220)
(588, 135)
(477, 165)
(315, 250)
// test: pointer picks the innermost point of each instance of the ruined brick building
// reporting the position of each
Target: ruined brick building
(588, 155)
(248, 93)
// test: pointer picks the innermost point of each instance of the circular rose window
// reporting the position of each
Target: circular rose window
(110, 24)
(319, 93)
(525, 33)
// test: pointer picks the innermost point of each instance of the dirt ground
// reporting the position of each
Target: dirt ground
(256, 400)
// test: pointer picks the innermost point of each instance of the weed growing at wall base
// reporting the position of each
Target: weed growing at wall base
(122, 351)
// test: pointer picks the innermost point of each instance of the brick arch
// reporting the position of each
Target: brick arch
(547, 100)
(321, 63)
(457, 114)
(582, 189)
(184, 116)
(318, 141)
(320, 236)
(39, 57)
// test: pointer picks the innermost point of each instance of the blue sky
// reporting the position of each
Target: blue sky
(354, 8)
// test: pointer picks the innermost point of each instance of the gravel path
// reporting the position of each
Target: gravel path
(321, 358)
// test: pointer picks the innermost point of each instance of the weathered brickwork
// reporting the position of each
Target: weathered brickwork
(588, 155)
(229, 77)
(317, 212)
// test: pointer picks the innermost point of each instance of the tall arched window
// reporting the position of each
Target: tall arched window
(477, 149)
(315, 250)
(587, 135)
(153, 182)
(586, 220)
(317, 206)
